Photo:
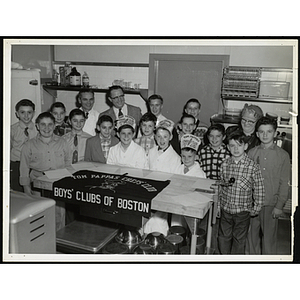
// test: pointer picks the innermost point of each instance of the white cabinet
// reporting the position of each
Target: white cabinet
(25, 84)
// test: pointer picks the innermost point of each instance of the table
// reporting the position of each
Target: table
(185, 195)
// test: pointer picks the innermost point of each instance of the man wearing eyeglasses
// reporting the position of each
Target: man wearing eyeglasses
(119, 108)
(250, 114)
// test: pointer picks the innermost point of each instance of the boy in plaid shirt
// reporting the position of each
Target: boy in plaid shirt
(58, 110)
(213, 154)
(241, 199)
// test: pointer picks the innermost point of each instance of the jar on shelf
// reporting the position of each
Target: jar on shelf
(67, 72)
(85, 80)
(75, 77)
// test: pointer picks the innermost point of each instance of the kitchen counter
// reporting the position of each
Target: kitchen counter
(179, 197)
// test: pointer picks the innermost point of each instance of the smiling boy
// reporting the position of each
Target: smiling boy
(215, 152)
(44, 152)
(189, 147)
(127, 152)
(275, 168)
(147, 127)
(97, 147)
(77, 137)
(20, 133)
(163, 157)
(58, 110)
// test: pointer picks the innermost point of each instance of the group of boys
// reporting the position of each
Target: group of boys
(253, 187)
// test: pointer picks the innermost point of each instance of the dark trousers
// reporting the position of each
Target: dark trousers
(233, 232)
(15, 176)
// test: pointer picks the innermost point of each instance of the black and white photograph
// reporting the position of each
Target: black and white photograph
(150, 150)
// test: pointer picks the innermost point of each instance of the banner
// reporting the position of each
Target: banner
(118, 198)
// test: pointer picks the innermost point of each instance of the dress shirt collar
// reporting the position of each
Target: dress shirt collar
(243, 160)
(124, 110)
(272, 147)
(23, 126)
(102, 138)
(163, 150)
(53, 138)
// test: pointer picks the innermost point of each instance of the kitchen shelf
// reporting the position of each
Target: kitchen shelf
(270, 100)
(52, 90)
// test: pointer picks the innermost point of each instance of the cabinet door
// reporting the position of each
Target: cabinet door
(177, 78)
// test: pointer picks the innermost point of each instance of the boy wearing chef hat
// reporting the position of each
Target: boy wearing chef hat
(127, 152)
(163, 157)
(189, 146)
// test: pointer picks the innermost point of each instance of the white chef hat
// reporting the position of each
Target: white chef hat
(126, 120)
(190, 141)
(166, 124)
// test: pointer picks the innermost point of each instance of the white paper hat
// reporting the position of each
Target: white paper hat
(126, 120)
(190, 141)
(167, 124)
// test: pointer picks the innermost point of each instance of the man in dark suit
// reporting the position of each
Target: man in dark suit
(119, 108)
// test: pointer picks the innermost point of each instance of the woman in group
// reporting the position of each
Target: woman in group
(250, 114)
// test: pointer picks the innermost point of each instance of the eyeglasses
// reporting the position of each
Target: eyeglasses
(118, 97)
(248, 121)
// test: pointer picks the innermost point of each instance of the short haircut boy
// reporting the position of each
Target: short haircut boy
(155, 96)
(104, 118)
(125, 127)
(276, 171)
(218, 127)
(24, 102)
(20, 133)
(238, 136)
(44, 115)
(185, 115)
(266, 121)
(76, 112)
(210, 157)
(192, 100)
(148, 117)
(57, 104)
(239, 199)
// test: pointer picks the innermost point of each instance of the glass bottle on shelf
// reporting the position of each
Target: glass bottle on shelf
(85, 80)
(75, 77)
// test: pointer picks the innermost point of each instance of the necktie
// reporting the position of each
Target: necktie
(185, 170)
(120, 113)
(75, 153)
(26, 132)
(86, 115)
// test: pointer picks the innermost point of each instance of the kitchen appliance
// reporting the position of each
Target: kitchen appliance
(25, 84)
(274, 89)
(32, 224)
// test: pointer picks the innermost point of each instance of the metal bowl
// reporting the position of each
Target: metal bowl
(154, 239)
(129, 237)
(143, 249)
